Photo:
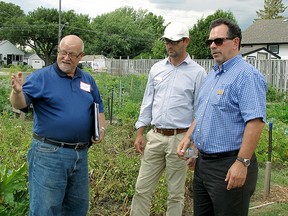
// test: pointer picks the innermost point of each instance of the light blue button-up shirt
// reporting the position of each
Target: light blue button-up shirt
(229, 97)
(170, 93)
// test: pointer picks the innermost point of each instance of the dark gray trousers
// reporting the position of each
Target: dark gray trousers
(211, 198)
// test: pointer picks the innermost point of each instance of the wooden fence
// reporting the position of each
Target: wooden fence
(275, 71)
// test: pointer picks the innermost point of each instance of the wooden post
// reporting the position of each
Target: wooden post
(267, 179)
(268, 165)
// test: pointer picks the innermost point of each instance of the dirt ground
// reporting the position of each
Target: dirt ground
(278, 194)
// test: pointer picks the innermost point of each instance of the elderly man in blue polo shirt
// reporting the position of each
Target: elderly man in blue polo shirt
(168, 105)
(230, 117)
(62, 96)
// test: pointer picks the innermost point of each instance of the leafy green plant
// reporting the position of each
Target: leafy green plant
(13, 191)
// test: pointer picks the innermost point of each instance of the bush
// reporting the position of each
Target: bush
(273, 95)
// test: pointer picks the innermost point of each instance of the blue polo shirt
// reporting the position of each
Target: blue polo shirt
(62, 105)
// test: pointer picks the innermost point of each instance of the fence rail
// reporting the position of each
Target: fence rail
(275, 71)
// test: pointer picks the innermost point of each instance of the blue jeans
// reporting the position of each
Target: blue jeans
(58, 180)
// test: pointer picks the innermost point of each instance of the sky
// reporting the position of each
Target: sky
(186, 11)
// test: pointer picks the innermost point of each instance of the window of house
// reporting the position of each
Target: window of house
(251, 57)
(17, 58)
(274, 48)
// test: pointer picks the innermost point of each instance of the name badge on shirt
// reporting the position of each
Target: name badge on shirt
(220, 92)
(85, 86)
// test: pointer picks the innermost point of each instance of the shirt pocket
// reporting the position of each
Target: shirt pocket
(220, 95)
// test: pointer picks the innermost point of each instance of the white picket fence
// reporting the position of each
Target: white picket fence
(275, 71)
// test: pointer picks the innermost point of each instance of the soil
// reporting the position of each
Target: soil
(278, 194)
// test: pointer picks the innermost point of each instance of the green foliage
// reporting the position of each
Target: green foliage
(273, 95)
(15, 137)
(127, 93)
(4, 94)
(200, 33)
(9, 14)
(279, 144)
(159, 50)
(126, 32)
(13, 191)
(123, 33)
(272, 9)
(42, 27)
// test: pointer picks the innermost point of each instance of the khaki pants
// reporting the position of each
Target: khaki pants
(160, 153)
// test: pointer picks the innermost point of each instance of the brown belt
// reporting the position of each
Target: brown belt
(170, 132)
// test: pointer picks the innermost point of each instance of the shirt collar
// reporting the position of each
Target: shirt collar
(64, 75)
(227, 65)
(186, 60)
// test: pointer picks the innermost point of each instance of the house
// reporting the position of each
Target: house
(34, 60)
(10, 54)
(97, 62)
(266, 39)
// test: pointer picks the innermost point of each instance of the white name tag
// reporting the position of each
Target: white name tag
(85, 86)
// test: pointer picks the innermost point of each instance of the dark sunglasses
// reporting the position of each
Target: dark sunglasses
(167, 41)
(217, 41)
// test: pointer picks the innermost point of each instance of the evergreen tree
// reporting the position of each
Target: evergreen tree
(272, 9)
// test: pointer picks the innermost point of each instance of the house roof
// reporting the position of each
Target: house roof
(3, 41)
(8, 46)
(249, 50)
(266, 31)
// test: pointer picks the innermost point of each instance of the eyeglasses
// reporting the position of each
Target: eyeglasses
(70, 55)
(217, 41)
(167, 41)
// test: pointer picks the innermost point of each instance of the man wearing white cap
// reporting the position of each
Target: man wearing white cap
(168, 107)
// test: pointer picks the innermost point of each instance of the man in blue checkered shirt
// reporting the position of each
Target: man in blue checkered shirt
(227, 127)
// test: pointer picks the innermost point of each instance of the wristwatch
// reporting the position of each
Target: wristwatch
(245, 161)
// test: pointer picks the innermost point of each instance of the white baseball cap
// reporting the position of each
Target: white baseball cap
(176, 31)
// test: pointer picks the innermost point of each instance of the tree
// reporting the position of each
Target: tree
(39, 29)
(200, 33)
(8, 19)
(125, 32)
(42, 30)
(272, 9)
